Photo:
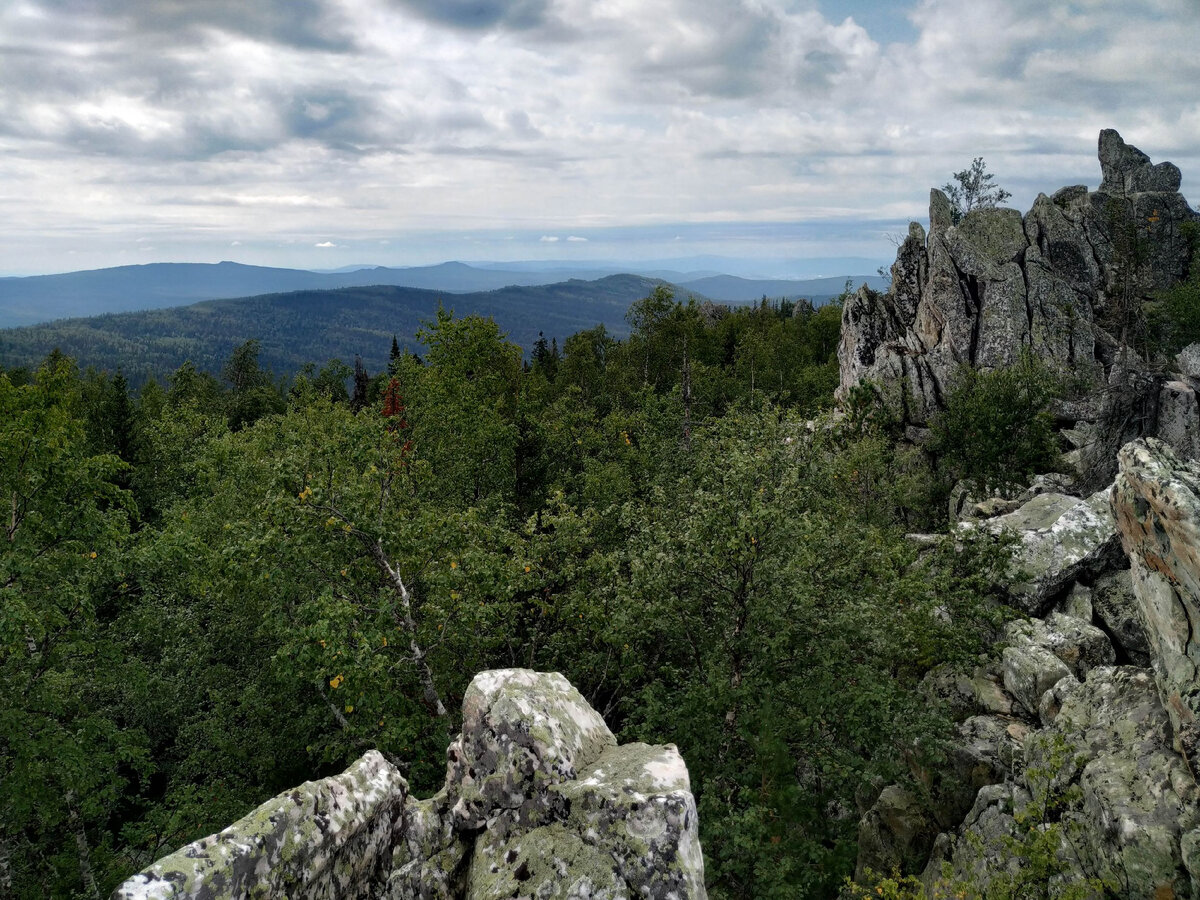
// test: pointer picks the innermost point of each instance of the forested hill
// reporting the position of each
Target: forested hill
(41, 298)
(305, 326)
(44, 298)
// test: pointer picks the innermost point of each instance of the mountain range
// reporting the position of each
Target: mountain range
(41, 298)
(300, 327)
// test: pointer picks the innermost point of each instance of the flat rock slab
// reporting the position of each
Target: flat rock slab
(1059, 539)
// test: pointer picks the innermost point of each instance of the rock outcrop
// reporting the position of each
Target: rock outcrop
(539, 801)
(1156, 499)
(1059, 539)
(1081, 730)
(1059, 282)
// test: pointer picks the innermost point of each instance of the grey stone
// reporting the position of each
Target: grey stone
(1059, 539)
(894, 833)
(1188, 362)
(522, 731)
(1179, 419)
(1127, 170)
(1116, 610)
(1156, 499)
(538, 801)
(1042, 653)
(1054, 282)
(1125, 804)
(1030, 671)
(325, 839)
(1078, 603)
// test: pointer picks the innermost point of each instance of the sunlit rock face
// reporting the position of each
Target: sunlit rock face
(539, 801)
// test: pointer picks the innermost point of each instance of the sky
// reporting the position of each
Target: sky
(323, 133)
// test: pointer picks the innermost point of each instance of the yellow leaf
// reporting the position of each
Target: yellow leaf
(336, 682)
(385, 641)
(92, 554)
(349, 709)
(453, 564)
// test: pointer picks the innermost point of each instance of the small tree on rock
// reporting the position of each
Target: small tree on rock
(974, 190)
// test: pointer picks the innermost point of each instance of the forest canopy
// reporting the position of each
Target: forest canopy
(220, 587)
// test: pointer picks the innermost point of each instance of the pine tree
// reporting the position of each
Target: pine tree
(362, 381)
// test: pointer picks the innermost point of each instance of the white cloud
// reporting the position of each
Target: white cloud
(549, 239)
(576, 239)
(325, 244)
(571, 115)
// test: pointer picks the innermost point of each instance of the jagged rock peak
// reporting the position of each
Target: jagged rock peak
(1060, 282)
(1127, 170)
(539, 801)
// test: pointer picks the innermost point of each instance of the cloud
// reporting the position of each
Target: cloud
(476, 15)
(549, 239)
(325, 244)
(310, 24)
(391, 119)
(576, 239)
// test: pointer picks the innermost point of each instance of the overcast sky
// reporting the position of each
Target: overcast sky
(317, 133)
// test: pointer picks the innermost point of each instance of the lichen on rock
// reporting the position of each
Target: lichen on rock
(539, 801)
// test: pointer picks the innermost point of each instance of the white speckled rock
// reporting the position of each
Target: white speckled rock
(631, 832)
(522, 731)
(325, 839)
(1126, 804)
(538, 802)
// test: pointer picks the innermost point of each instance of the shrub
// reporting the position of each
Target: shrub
(995, 432)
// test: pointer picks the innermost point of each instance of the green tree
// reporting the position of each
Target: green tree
(995, 431)
(65, 759)
(253, 393)
(973, 188)
(778, 639)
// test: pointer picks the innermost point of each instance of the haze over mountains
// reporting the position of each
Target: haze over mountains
(43, 298)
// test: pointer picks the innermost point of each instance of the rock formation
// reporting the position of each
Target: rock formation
(1156, 499)
(539, 801)
(1062, 281)
(1067, 732)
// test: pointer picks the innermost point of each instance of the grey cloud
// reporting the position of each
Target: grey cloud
(299, 23)
(477, 15)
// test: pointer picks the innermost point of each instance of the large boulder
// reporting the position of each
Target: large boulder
(539, 801)
(1156, 499)
(325, 839)
(1115, 607)
(1059, 539)
(1103, 780)
(630, 832)
(1127, 170)
(522, 732)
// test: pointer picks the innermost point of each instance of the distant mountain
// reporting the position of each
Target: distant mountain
(731, 289)
(42, 298)
(314, 326)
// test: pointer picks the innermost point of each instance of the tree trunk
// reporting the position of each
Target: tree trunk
(81, 848)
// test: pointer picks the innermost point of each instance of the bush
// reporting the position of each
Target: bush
(995, 432)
